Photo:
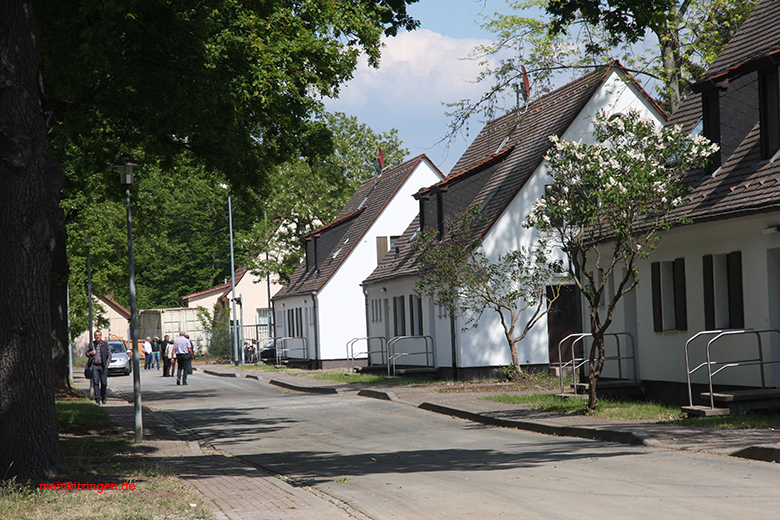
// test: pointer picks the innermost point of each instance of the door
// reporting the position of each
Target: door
(563, 319)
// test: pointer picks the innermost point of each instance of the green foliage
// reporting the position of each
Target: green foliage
(308, 194)
(455, 273)
(607, 204)
(180, 235)
(235, 83)
(216, 326)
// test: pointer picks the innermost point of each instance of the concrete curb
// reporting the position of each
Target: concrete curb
(379, 394)
(761, 452)
(308, 389)
(253, 376)
(547, 429)
(219, 374)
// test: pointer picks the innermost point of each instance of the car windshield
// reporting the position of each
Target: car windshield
(117, 347)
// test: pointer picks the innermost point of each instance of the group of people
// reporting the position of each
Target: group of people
(178, 352)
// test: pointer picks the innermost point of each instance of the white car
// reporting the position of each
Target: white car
(120, 361)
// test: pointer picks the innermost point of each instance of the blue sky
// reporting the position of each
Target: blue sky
(419, 71)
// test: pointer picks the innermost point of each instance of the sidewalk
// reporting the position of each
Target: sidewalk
(752, 444)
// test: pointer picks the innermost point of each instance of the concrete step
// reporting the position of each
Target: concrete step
(743, 395)
(705, 411)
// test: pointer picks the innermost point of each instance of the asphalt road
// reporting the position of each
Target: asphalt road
(388, 460)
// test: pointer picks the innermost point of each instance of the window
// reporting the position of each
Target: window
(263, 316)
(770, 113)
(711, 123)
(376, 311)
(399, 316)
(723, 303)
(669, 300)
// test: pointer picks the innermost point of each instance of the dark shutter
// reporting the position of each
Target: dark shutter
(736, 308)
(420, 317)
(655, 278)
(709, 292)
(680, 304)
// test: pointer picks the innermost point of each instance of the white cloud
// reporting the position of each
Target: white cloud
(419, 71)
(417, 67)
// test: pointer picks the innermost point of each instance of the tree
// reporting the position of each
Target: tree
(607, 205)
(687, 36)
(684, 29)
(233, 83)
(455, 273)
(308, 194)
(216, 326)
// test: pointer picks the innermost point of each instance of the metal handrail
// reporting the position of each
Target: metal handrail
(732, 363)
(280, 347)
(351, 353)
(576, 362)
(688, 370)
(392, 356)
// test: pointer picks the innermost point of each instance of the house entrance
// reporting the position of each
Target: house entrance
(562, 320)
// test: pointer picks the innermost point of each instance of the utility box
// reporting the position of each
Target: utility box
(159, 322)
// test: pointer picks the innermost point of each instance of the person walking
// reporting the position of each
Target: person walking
(166, 351)
(101, 357)
(156, 351)
(148, 353)
(182, 347)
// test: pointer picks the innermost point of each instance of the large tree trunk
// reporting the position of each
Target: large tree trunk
(59, 314)
(30, 223)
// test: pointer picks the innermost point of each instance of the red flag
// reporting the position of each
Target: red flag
(380, 158)
(526, 84)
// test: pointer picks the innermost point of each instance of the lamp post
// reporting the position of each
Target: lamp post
(233, 326)
(125, 165)
(88, 243)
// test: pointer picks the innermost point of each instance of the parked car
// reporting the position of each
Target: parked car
(120, 358)
(268, 351)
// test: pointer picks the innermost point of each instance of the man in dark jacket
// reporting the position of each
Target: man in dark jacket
(101, 357)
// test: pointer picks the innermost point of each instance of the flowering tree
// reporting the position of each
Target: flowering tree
(607, 204)
(456, 274)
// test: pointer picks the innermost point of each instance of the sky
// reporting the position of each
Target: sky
(418, 72)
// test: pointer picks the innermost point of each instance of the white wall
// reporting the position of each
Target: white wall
(661, 354)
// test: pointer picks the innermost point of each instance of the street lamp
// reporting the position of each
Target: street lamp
(125, 165)
(234, 327)
(88, 243)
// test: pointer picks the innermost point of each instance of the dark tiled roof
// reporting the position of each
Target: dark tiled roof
(337, 240)
(504, 155)
(757, 39)
(745, 183)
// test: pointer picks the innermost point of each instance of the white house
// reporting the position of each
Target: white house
(322, 306)
(722, 270)
(503, 173)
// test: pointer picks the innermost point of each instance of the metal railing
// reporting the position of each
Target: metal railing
(577, 362)
(725, 364)
(392, 355)
(351, 353)
(281, 349)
